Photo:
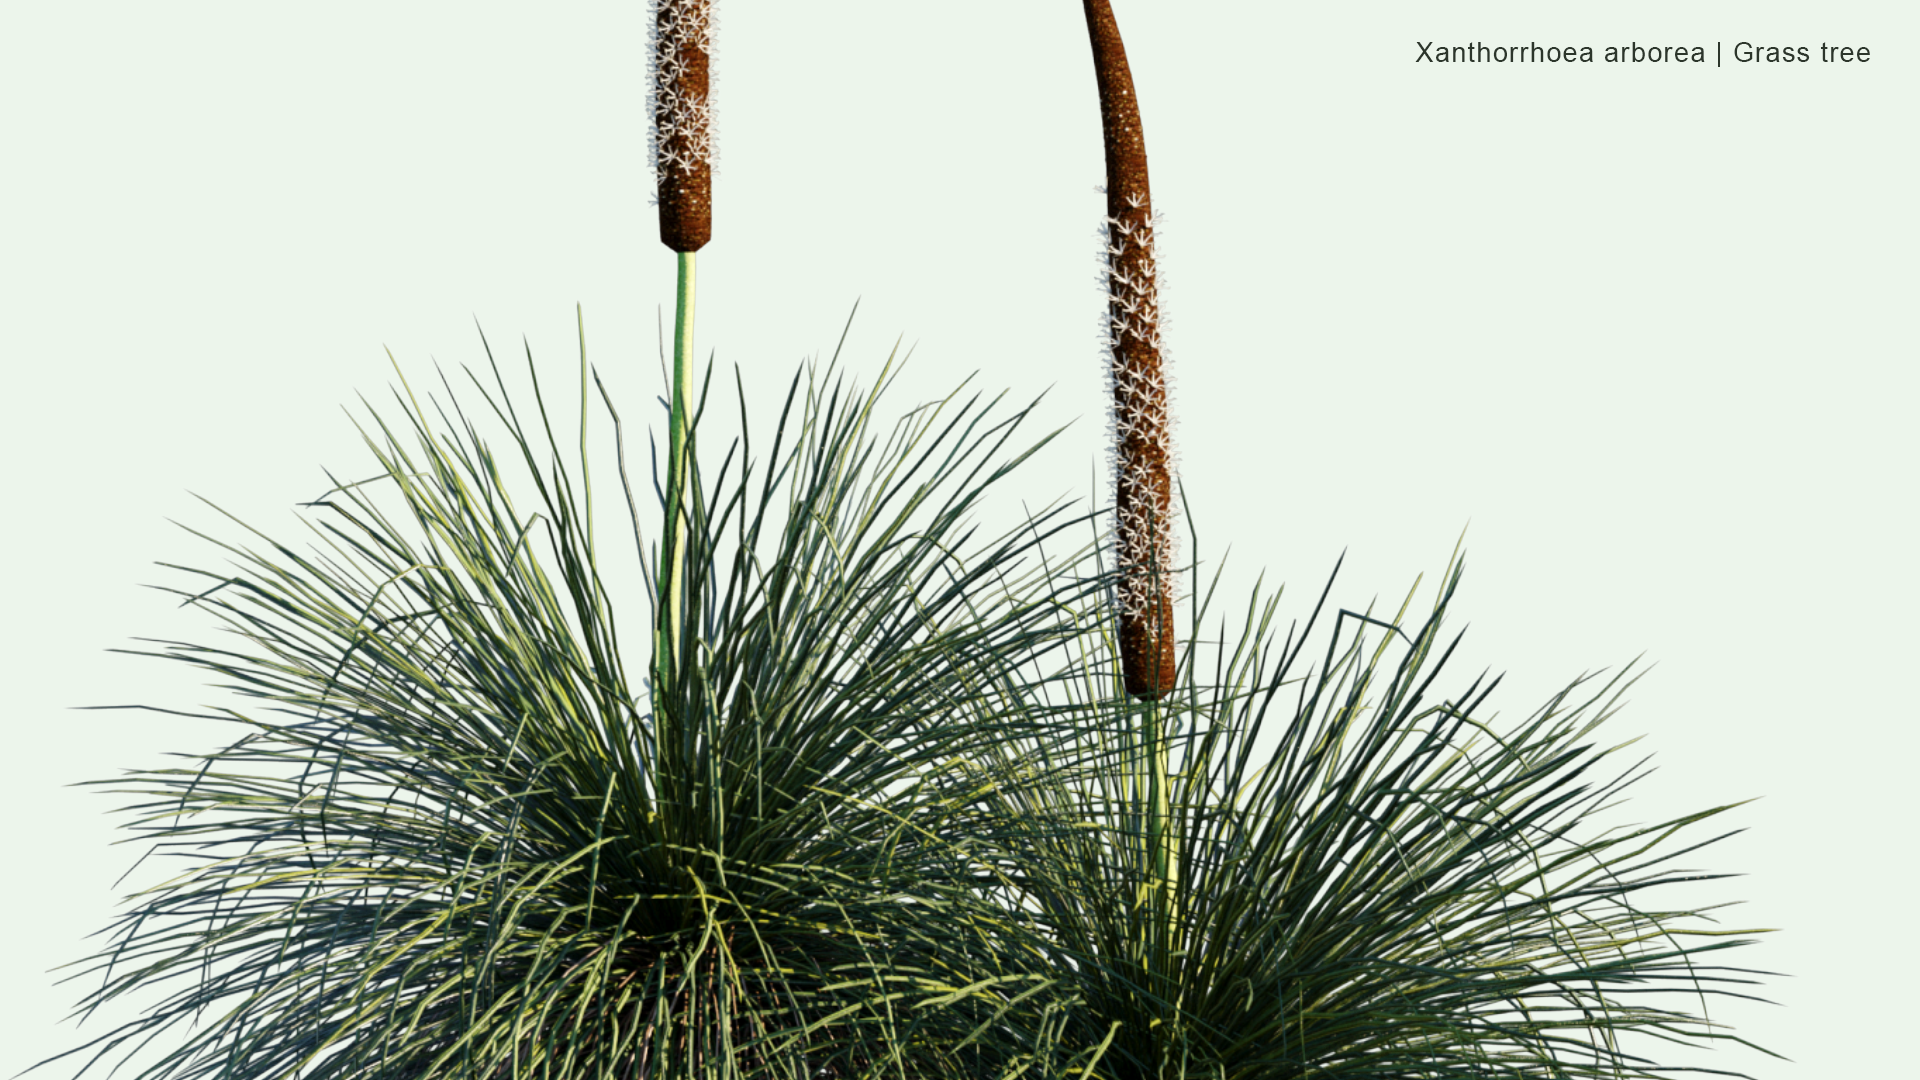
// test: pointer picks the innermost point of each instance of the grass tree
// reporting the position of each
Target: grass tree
(889, 797)
(453, 840)
(1364, 881)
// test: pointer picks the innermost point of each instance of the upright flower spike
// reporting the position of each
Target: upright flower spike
(682, 145)
(1143, 475)
(683, 122)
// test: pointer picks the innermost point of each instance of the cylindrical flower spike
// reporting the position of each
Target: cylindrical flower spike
(1143, 482)
(683, 122)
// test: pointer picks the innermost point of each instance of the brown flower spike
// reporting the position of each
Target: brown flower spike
(683, 121)
(1143, 477)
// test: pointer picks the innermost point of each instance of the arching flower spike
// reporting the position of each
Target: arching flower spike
(1143, 474)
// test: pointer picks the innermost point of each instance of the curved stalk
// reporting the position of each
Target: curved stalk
(1143, 480)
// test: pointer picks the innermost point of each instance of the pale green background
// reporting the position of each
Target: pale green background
(1649, 330)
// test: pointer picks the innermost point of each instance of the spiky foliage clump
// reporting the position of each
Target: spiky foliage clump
(459, 840)
(1338, 872)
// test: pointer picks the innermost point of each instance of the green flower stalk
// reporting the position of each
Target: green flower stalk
(1143, 475)
(682, 152)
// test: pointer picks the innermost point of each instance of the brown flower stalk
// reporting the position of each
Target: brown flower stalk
(1143, 477)
(683, 122)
